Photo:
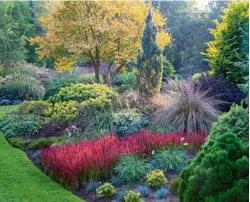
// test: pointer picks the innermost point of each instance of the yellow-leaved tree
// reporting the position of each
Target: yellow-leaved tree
(99, 31)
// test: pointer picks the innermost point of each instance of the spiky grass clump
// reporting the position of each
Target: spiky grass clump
(144, 191)
(191, 111)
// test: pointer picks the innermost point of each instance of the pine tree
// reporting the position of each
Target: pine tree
(149, 61)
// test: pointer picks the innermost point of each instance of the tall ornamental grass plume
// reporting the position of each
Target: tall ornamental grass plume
(77, 163)
(190, 111)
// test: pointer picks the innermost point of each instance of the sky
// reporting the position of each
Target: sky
(202, 3)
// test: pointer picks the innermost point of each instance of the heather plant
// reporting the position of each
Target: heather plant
(162, 193)
(169, 160)
(190, 111)
(133, 196)
(106, 190)
(156, 179)
(220, 172)
(235, 121)
(13, 125)
(127, 122)
(63, 112)
(131, 170)
(37, 108)
(21, 87)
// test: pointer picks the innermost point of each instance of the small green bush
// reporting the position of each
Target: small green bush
(106, 190)
(235, 121)
(219, 173)
(21, 87)
(156, 179)
(37, 108)
(131, 170)
(170, 160)
(174, 184)
(13, 125)
(127, 122)
(127, 79)
(168, 69)
(63, 112)
(133, 196)
(9, 71)
(54, 85)
(88, 78)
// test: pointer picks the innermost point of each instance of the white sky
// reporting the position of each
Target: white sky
(202, 3)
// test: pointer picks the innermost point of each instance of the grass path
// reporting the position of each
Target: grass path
(21, 181)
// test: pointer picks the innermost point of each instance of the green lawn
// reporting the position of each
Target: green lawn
(21, 181)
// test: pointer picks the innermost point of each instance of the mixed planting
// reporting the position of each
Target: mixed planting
(109, 117)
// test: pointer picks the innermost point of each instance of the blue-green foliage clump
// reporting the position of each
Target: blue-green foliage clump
(219, 173)
(162, 193)
(150, 62)
(144, 191)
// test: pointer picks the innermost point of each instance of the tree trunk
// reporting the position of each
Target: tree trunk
(97, 64)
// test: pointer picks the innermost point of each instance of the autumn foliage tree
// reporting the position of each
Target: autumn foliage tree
(99, 31)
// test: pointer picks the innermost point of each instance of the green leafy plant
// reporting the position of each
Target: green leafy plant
(131, 170)
(63, 112)
(170, 160)
(37, 108)
(235, 121)
(156, 179)
(168, 69)
(54, 85)
(133, 196)
(127, 122)
(220, 172)
(13, 125)
(106, 190)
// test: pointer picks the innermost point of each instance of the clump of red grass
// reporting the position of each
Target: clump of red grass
(73, 164)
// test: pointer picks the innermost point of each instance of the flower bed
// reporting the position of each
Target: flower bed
(74, 164)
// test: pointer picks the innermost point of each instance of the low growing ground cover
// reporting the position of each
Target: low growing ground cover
(22, 181)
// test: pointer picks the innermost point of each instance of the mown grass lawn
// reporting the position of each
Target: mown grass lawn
(21, 181)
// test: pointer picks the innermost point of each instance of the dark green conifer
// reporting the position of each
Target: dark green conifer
(149, 60)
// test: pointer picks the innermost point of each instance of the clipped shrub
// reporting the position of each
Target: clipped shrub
(83, 92)
(37, 108)
(133, 196)
(127, 122)
(54, 85)
(235, 121)
(13, 125)
(21, 87)
(220, 90)
(144, 191)
(169, 160)
(162, 193)
(156, 179)
(63, 112)
(174, 184)
(106, 190)
(131, 170)
(88, 78)
(190, 111)
(220, 172)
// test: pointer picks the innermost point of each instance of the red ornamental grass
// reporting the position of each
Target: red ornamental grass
(76, 163)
